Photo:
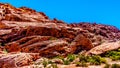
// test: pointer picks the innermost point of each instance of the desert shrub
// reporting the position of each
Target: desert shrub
(112, 66)
(83, 58)
(107, 66)
(82, 64)
(115, 66)
(68, 59)
(95, 60)
(54, 66)
(114, 55)
(118, 50)
(71, 57)
(49, 64)
(64, 60)
(45, 62)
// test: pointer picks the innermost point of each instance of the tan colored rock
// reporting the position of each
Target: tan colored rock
(108, 46)
(4, 32)
(15, 60)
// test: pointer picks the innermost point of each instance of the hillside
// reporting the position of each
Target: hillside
(28, 37)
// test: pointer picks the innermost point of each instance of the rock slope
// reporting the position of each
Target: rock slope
(27, 33)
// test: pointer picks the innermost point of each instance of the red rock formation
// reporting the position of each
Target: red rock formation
(15, 60)
(106, 31)
(108, 46)
(11, 13)
(25, 30)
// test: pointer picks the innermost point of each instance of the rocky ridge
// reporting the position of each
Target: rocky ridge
(27, 33)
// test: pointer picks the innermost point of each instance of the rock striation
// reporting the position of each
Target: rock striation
(25, 33)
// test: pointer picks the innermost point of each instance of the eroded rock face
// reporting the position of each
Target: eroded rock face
(15, 60)
(108, 46)
(106, 31)
(48, 46)
(79, 43)
(11, 13)
(47, 39)
(25, 30)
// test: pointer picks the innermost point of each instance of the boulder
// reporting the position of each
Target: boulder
(108, 46)
(80, 42)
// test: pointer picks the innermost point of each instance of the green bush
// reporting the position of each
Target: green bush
(46, 62)
(97, 60)
(71, 57)
(83, 58)
(82, 64)
(66, 61)
(114, 55)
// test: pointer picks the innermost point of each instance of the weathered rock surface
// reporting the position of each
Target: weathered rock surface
(15, 60)
(37, 37)
(80, 43)
(106, 31)
(108, 46)
(30, 32)
(11, 13)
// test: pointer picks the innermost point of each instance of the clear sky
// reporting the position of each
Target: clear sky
(99, 11)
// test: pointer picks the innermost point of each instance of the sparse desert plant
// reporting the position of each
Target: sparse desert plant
(71, 57)
(49, 64)
(94, 60)
(54, 66)
(82, 64)
(114, 55)
(119, 50)
(83, 58)
(45, 63)
(68, 59)
(115, 66)
(66, 62)
(97, 60)
(107, 66)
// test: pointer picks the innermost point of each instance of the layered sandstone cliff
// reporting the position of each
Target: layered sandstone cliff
(27, 33)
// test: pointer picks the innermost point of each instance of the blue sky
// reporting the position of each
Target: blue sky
(99, 11)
